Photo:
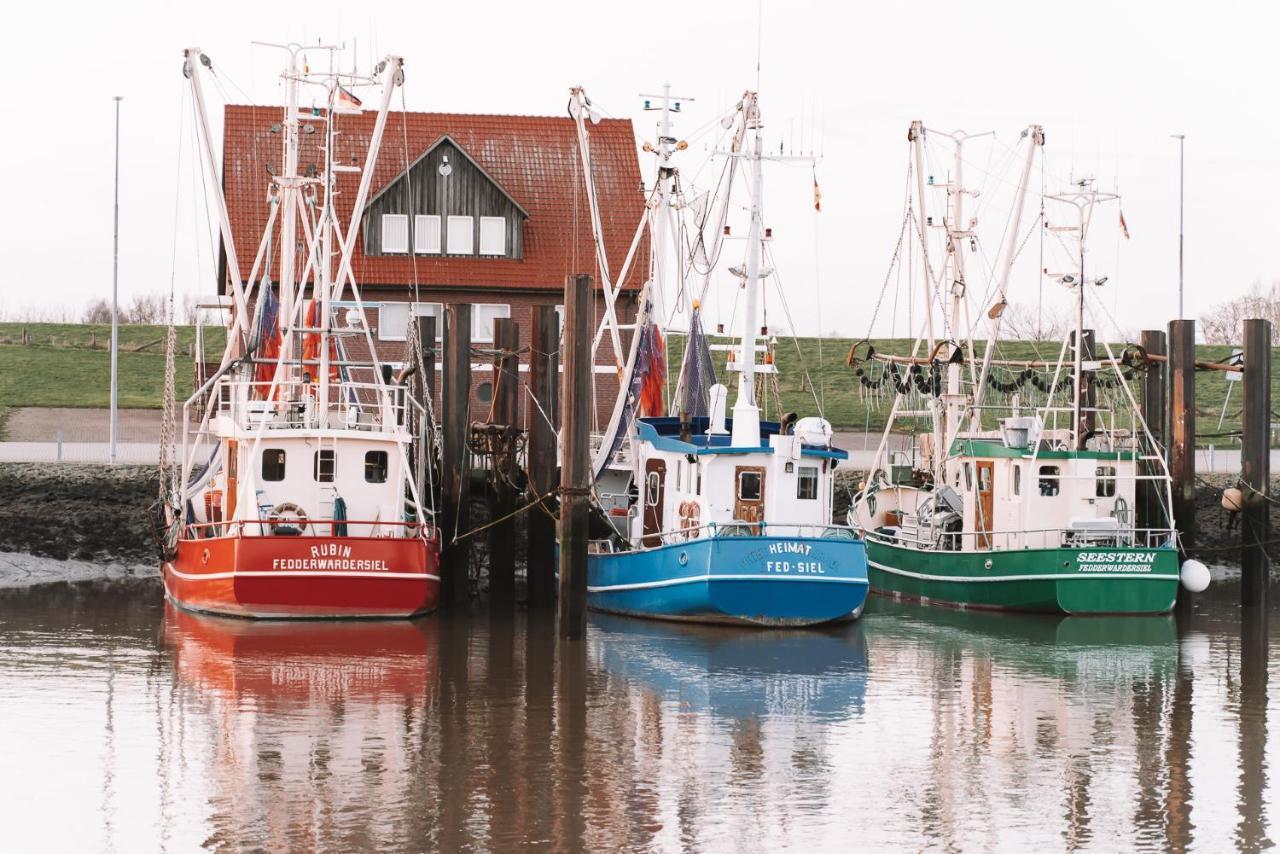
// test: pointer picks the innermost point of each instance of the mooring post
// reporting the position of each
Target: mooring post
(502, 495)
(424, 390)
(575, 471)
(455, 479)
(1255, 463)
(1182, 434)
(543, 420)
(427, 338)
(1151, 514)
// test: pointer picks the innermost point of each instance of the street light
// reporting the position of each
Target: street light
(1181, 138)
(115, 288)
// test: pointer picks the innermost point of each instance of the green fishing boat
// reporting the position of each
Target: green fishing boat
(1055, 499)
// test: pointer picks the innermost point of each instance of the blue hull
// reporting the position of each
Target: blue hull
(764, 581)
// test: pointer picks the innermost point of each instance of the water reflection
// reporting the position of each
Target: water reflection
(131, 726)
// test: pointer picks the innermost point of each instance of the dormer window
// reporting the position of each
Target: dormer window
(461, 235)
(493, 235)
(426, 235)
(395, 233)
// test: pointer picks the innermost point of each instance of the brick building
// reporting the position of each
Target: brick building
(481, 209)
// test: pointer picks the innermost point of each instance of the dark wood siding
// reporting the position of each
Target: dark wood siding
(466, 191)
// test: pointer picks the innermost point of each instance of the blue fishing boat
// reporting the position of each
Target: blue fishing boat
(710, 518)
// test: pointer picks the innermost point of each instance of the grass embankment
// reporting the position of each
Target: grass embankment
(70, 364)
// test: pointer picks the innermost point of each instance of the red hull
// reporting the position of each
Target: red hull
(305, 577)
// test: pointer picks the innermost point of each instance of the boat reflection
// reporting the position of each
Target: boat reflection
(738, 673)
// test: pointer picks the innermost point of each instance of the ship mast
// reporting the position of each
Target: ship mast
(746, 414)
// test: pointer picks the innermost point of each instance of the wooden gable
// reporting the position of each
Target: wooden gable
(466, 191)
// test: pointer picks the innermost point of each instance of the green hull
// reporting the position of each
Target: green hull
(1057, 581)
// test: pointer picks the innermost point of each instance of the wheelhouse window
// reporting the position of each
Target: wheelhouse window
(749, 486)
(461, 235)
(493, 235)
(1049, 482)
(968, 475)
(273, 464)
(375, 467)
(395, 233)
(426, 234)
(1017, 480)
(323, 466)
(807, 483)
(1106, 482)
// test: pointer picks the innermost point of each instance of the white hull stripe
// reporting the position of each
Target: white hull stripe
(694, 579)
(964, 579)
(222, 576)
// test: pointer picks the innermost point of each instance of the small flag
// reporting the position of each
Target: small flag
(346, 102)
(817, 195)
(1124, 228)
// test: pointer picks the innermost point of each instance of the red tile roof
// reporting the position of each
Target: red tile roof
(534, 158)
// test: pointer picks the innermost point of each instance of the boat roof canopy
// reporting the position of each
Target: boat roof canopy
(664, 434)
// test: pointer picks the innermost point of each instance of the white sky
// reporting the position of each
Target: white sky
(1109, 81)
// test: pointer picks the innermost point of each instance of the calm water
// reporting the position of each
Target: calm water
(128, 726)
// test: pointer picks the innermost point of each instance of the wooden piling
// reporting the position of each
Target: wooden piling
(1182, 432)
(455, 478)
(1088, 391)
(1150, 510)
(1255, 463)
(427, 337)
(543, 423)
(502, 493)
(575, 472)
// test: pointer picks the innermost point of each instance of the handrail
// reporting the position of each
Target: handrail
(195, 527)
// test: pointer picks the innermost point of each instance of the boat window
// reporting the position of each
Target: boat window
(1049, 482)
(807, 482)
(1017, 480)
(968, 475)
(699, 492)
(484, 392)
(984, 478)
(323, 467)
(679, 475)
(273, 464)
(653, 483)
(1106, 481)
(749, 485)
(375, 467)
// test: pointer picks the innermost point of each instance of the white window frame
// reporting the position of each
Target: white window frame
(487, 246)
(477, 313)
(431, 309)
(403, 223)
(426, 226)
(385, 333)
(469, 231)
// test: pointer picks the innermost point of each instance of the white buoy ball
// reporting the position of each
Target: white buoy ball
(1232, 499)
(1194, 576)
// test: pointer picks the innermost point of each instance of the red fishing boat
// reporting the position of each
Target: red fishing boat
(304, 489)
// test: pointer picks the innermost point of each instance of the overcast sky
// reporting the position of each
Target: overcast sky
(1109, 81)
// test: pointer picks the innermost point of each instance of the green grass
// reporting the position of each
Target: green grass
(70, 364)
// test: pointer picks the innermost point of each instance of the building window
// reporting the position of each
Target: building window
(1049, 483)
(393, 321)
(461, 236)
(482, 318)
(323, 467)
(493, 235)
(749, 485)
(426, 234)
(395, 233)
(375, 467)
(1106, 482)
(273, 464)
(807, 483)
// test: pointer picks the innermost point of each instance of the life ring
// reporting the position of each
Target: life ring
(280, 524)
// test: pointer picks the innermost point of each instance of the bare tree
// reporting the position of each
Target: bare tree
(1022, 322)
(98, 311)
(1224, 323)
(147, 308)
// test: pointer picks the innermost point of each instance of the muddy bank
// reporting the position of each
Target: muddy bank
(73, 512)
(1217, 536)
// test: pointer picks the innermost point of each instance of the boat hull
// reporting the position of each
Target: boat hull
(1091, 580)
(305, 577)
(763, 581)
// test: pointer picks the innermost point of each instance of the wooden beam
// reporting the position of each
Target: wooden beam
(544, 425)
(1150, 510)
(1182, 431)
(575, 472)
(1255, 463)
(455, 479)
(502, 494)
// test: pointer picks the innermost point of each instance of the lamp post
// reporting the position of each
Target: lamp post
(1181, 138)
(115, 288)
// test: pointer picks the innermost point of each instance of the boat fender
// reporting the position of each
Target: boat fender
(281, 524)
(1195, 576)
(1233, 499)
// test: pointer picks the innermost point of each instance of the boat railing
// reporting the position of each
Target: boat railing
(935, 539)
(291, 527)
(295, 404)
(735, 529)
